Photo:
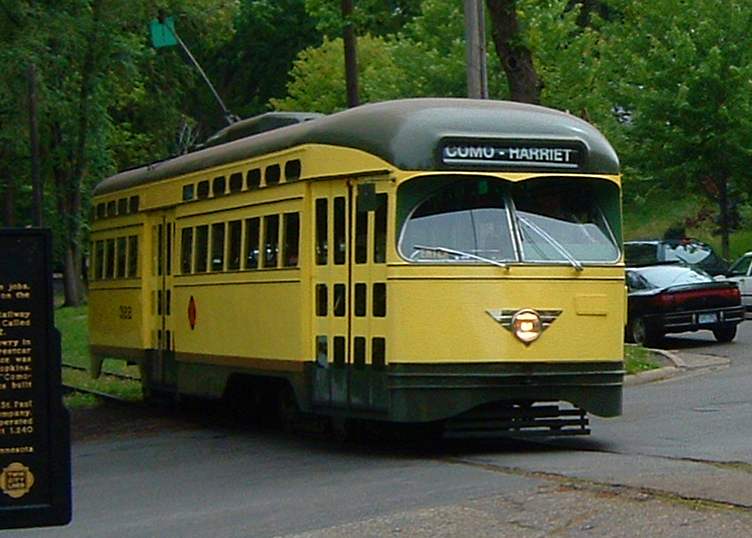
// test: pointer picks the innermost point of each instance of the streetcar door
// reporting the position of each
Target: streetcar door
(160, 369)
(368, 295)
(349, 294)
(331, 284)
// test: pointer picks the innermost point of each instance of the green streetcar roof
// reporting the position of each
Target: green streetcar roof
(406, 133)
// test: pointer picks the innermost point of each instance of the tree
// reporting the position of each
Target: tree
(94, 65)
(685, 75)
(516, 58)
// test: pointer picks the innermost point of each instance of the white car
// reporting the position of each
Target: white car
(741, 273)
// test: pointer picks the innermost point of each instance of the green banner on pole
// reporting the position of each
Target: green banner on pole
(163, 33)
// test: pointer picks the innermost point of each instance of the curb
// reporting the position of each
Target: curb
(677, 365)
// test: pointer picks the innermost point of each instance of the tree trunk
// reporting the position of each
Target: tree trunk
(524, 84)
(9, 199)
(69, 183)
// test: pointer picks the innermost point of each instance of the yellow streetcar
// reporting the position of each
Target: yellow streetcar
(441, 261)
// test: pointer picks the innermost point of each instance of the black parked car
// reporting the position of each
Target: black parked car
(689, 251)
(672, 298)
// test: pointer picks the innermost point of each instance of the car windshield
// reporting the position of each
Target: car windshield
(690, 252)
(664, 276)
(471, 219)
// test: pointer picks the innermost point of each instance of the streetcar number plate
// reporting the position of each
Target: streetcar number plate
(708, 318)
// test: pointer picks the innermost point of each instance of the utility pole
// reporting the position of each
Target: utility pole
(36, 176)
(351, 55)
(475, 39)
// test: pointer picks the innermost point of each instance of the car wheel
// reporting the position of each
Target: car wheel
(641, 333)
(725, 334)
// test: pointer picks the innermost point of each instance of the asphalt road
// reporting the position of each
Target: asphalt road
(678, 463)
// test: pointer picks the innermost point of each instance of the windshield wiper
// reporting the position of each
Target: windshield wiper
(551, 241)
(453, 252)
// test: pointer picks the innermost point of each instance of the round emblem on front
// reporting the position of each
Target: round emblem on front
(527, 326)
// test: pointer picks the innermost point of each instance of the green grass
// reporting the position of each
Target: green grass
(638, 359)
(72, 322)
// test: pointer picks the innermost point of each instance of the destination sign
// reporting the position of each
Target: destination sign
(511, 154)
(34, 428)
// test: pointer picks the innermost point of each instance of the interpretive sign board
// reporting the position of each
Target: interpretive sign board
(34, 428)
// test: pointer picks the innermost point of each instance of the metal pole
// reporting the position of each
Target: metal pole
(351, 55)
(36, 176)
(477, 78)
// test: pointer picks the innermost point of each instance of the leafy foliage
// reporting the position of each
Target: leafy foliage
(685, 77)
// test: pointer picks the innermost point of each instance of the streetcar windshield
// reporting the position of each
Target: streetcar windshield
(466, 220)
(451, 219)
(562, 219)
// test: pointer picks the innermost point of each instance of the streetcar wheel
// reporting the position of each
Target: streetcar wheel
(725, 334)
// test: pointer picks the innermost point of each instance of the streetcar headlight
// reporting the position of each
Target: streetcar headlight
(527, 326)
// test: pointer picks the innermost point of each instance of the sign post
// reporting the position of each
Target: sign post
(35, 489)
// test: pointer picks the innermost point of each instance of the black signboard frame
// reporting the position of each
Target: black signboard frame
(43, 497)
(572, 154)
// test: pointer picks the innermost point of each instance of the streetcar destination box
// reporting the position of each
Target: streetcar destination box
(35, 489)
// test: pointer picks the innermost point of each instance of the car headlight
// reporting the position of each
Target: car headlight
(527, 326)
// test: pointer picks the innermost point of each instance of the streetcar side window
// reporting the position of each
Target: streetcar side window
(340, 300)
(218, 186)
(359, 352)
(321, 231)
(361, 235)
(379, 233)
(234, 229)
(132, 256)
(110, 259)
(271, 175)
(99, 260)
(292, 170)
(340, 245)
(121, 258)
(360, 299)
(379, 300)
(252, 228)
(321, 300)
(253, 178)
(202, 189)
(122, 206)
(133, 204)
(290, 246)
(218, 246)
(188, 192)
(339, 351)
(236, 182)
(271, 240)
(202, 248)
(111, 208)
(186, 251)
(378, 352)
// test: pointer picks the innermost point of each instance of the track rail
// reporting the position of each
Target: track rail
(67, 388)
(110, 374)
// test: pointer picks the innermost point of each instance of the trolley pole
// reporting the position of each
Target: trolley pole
(163, 34)
(475, 39)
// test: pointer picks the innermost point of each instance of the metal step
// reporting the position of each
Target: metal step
(518, 420)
